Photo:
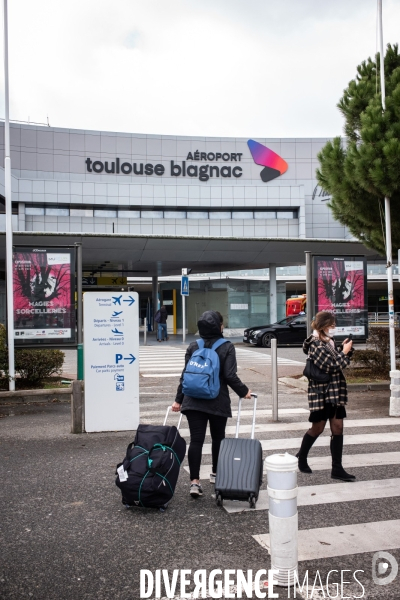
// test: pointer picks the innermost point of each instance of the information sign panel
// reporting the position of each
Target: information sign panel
(185, 285)
(104, 281)
(43, 290)
(340, 287)
(111, 355)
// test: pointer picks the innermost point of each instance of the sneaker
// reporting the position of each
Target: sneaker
(212, 477)
(196, 490)
(166, 339)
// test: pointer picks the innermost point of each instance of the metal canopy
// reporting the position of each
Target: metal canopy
(145, 256)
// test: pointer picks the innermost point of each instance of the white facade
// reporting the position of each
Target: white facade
(56, 190)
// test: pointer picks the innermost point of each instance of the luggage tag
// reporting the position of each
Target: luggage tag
(123, 475)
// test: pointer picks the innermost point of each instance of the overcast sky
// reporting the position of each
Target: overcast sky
(252, 68)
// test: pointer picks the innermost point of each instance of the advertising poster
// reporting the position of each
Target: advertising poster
(44, 284)
(340, 287)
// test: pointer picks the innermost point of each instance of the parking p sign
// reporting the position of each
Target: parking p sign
(185, 285)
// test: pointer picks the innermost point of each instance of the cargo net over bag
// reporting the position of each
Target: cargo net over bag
(148, 474)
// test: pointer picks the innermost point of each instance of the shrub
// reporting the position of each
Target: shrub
(3, 352)
(368, 358)
(377, 354)
(35, 364)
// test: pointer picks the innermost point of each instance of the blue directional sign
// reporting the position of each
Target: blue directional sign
(185, 285)
(119, 357)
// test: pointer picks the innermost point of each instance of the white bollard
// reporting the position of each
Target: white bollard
(274, 379)
(394, 407)
(283, 519)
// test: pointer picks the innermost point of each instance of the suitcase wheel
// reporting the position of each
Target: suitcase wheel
(252, 501)
(219, 499)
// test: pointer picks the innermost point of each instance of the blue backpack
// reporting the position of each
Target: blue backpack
(201, 376)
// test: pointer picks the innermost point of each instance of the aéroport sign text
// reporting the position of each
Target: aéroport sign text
(273, 164)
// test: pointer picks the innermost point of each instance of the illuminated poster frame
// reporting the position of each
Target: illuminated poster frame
(340, 287)
(44, 296)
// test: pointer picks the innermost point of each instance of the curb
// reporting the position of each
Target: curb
(296, 383)
(30, 396)
(369, 387)
(355, 387)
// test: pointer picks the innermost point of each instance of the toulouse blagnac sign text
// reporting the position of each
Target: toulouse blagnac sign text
(176, 169)
(273, 165)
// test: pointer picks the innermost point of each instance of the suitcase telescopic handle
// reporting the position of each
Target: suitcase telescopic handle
(253, 425)
(166, 417)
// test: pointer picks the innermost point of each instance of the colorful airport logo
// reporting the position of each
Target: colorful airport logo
(273, 164)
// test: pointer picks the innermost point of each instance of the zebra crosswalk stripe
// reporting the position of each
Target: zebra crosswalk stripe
(330, 493)
(161, 362)
(349, 440)
(324, 463)
(258, 357)
(270, 427)
(159, 375)
(262, 412)
(329, 542)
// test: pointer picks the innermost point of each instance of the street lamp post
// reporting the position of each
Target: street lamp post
(388, 227)
(394, 408)
(9, 233)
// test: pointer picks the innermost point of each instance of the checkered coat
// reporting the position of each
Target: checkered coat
(331, 361)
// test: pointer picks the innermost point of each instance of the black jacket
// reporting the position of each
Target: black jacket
(210, 331)
(163, 315)
(331, 361)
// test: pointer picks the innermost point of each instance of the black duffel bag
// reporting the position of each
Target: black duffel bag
(314, 373)
(148, 474)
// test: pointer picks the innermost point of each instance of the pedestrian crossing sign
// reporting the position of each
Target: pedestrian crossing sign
(185, 285)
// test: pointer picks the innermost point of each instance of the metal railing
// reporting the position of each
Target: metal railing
(382, 318)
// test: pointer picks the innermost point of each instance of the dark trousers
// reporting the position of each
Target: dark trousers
(162, 331)
(198, 425)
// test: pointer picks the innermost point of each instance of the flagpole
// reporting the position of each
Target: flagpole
(9, 233)
(389, 265)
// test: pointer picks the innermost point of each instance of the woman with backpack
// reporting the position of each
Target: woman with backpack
(326, 400)
(215, 411)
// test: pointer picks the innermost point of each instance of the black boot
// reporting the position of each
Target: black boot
(337, 451)
(302, 454)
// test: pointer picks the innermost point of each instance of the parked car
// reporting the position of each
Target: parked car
(291, 330)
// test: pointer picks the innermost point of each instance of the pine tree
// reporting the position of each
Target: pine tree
(360, 170)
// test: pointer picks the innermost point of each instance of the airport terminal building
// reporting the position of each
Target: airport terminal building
(68, 180)
(204, 198)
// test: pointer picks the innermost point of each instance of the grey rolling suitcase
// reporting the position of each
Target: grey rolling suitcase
(240, 466)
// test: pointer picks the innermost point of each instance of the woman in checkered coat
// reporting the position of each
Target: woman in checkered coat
(326, 400)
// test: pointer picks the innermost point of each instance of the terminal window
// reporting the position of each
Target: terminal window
(160, 213)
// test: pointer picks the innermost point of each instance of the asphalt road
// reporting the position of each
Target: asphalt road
(65, 534)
